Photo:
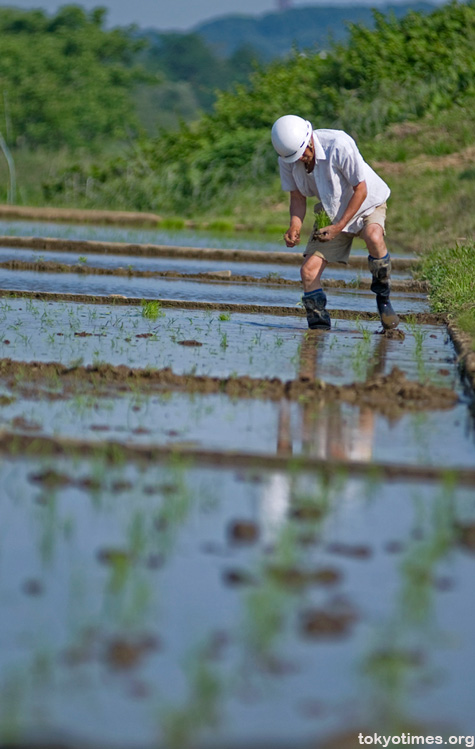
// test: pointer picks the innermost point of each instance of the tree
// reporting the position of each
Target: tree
(64, 79)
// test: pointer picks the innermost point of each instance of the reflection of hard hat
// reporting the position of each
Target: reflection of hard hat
(290, 136)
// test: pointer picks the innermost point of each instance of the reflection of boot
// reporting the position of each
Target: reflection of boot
(317, 315)
(381, 286)
(378, 360)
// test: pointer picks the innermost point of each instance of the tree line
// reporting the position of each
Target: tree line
(401, 70)
(66, 80)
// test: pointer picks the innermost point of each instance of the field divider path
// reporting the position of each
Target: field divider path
(219, 276)
(79, 215)
(13, 444)
(258, 309)
(392, 394)
(205, 253)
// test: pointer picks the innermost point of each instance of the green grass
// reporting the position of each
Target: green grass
(36, 166)
(448, 131)
(429, 207)
(451, 273)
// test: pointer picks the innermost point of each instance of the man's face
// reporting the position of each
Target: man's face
(308, 156)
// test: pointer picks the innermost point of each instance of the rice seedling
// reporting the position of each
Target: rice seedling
(322, 219)
(152, 309)
(181, 725)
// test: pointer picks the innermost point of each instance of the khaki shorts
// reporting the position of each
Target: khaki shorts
(338, 250)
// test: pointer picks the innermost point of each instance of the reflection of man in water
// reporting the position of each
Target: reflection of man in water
(334, 431)
(338, 432)
(327, 434)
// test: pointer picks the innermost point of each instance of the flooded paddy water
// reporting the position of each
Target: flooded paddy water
(131, 264)
(220, 529)
(164, 288)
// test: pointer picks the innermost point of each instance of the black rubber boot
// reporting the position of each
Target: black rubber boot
(317, 315)
(381, 286)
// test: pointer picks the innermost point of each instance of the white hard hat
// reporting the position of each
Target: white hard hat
(290, 136)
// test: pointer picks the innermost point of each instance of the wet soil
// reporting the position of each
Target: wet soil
(328, 623)
(243, 532)
(294, 577)
(466, 355)
(391, 395)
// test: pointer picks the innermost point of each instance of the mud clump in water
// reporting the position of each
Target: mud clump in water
(392, 394)
(121, 653)
(394, 334)
(19, 422)
(32, 587)
(50, 478)
(307, 511)
(53, 479)
(355, 551)
(243, 532)
(84, 334)
(293, 577)
(323, 623)
(466, 536)
(237, 578)
(122, 486)
(394, 547)
(114, 556)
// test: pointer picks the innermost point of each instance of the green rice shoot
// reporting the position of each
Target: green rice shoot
(322, 219)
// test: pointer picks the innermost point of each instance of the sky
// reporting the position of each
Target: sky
(180, 15)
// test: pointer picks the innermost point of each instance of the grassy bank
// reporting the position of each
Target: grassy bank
(451, 273)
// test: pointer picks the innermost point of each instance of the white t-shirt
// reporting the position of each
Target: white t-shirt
(339, 167)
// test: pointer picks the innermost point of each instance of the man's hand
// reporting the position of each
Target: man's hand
(292, 236)
(327, 233)
(298, 206)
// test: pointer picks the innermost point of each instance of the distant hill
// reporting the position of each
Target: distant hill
(275, 34)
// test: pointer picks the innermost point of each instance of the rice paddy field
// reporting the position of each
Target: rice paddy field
(220, 529)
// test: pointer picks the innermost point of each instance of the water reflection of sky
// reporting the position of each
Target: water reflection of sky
(186, 238)
(171, 592)
(163, 288)
(237, 240)
(236, 343)
(335, 431)
(137, 263)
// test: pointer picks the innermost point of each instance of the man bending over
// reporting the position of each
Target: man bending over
(327, 164)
